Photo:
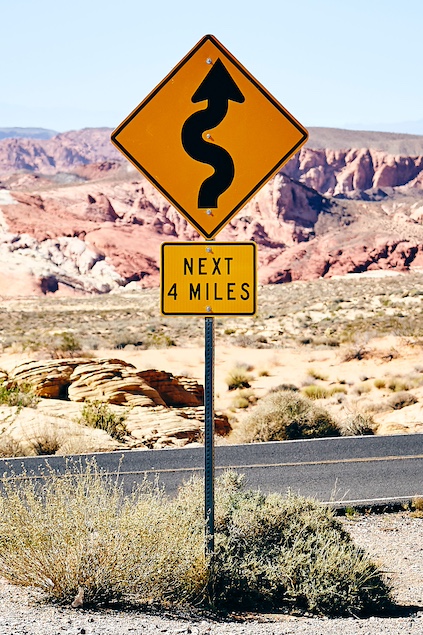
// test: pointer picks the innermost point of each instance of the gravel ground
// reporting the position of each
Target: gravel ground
(394, 540)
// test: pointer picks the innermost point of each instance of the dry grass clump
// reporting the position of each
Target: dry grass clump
(80, 535)
(357, 423)
(398, 384)
(238, 377)
(9, 447)
(97, 414)
(417, 507)
(379, 383)
(286, 415)
(316, 391)
(316, 374)
(80, 532)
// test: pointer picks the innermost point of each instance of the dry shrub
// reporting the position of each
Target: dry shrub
(280, 387)
(286, 415)
(80, 533)
(243, 398)
(402, 400)
(357, 423)
(362, 388)
(9, 447)
(358, 352)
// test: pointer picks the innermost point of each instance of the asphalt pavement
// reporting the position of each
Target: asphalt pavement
(345, 470)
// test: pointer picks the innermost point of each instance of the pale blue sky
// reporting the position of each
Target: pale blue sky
(338, 63)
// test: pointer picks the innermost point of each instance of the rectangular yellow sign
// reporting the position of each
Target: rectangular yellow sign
(209, 278)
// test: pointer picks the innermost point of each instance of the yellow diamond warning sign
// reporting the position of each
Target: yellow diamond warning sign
(208, 279)
(209, 136)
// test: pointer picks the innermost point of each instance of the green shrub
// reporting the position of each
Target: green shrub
(84, 534)
(273, 551)
(22, 396)
(286, 415)
(98, 414)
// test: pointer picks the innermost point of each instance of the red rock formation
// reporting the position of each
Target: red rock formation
(100, 227)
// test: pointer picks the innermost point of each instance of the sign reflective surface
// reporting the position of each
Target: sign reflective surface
(209, 136)
(208, 278)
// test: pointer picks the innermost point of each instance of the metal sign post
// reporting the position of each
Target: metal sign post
(208, 113)
(209, 434)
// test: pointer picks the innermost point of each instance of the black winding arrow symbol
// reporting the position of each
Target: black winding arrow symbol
(217, 88)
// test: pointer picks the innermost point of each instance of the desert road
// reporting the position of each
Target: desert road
(343, 471)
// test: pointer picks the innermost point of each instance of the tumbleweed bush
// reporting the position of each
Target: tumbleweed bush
(283, 415)
(80, 531)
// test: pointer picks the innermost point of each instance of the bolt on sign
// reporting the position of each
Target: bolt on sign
(209, 136)
(208, 278)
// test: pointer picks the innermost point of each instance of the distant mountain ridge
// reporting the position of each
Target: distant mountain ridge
(340, 139)
(27, 133)
(46, 152)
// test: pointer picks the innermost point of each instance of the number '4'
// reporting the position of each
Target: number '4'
(172, 291)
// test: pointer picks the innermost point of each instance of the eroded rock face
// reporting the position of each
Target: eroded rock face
(113, 381)
(49, 378)
(104, 229)
(344, 172)
(175, 391)
(341, 253)
(161, 410)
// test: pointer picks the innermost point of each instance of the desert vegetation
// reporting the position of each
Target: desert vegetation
(320, 313)
(283, 415)
(346, 338)
(79, 538)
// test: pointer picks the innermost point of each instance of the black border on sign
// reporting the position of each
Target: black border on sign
(259, 185)
(211, 244)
